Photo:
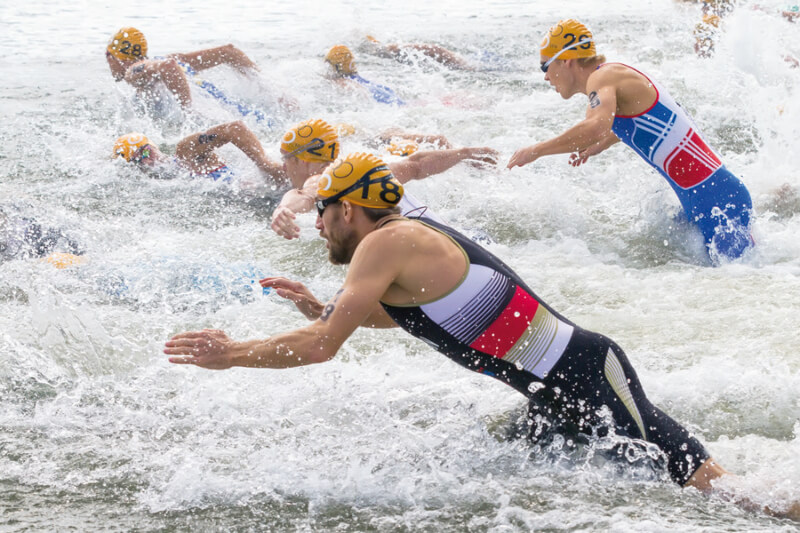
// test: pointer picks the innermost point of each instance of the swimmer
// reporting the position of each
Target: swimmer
(22, 237)
(126, 55)
(405, 53)
(448, 291)
(706, 33)
(195, 153)
(344, 71)
(309, 147)
(624, 104)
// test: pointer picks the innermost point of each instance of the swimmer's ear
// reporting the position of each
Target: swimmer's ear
(347, 210)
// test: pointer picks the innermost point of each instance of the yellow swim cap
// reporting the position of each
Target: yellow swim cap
(127, 145)
(128, 44)
(568, 39)
(361, 178)
(341, 58)
(403, 147)
(62, 260)
(314, 141)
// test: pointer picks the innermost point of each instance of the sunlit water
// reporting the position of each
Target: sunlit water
(99, 432)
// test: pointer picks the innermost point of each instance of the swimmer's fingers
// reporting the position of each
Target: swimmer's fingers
(522, 157)
(484, 157)
(277, 282)
(286, 288)
(283, 223)
(183, 360)
(207, 348)
(577, 159)
(297, 293)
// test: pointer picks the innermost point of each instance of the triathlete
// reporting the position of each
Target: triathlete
(626, 105)
(126, 55)
(309, 147)
(344, 71)
(454, 295)
(196, 155)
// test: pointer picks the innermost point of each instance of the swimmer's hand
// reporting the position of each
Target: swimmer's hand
(296, 292)
(483, 156)
(210, 348)
(581, 156)
(523, 156)
(577, 159)
(283, 223)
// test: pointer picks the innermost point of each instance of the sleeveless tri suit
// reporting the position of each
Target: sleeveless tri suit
(492, 323)
(380, 93)
(712, 197)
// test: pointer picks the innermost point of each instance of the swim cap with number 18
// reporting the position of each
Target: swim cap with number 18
(363, 179)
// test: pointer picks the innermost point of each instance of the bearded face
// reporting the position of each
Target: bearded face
(341, 246)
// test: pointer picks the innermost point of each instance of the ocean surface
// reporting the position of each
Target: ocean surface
(98, 432)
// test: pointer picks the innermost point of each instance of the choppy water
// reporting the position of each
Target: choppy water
(99, 432)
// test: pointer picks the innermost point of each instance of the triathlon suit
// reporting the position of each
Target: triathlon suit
(223, 173)
(712, 197)
(492, 323)
(380, 93)
(214, 91)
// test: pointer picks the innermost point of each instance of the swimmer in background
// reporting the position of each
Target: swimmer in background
(126, 55)
(708, 31)
(626, 105)
(196, 154)
(344, 72)
(309, 147)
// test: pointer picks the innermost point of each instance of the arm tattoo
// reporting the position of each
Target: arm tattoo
(206, 138)
(594, 100)
(330, 307)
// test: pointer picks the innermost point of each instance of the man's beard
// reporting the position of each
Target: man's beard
(341, 250)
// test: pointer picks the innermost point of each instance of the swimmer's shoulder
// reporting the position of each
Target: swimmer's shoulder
(616, 74)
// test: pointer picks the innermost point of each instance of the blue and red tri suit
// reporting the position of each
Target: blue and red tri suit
(714, 199)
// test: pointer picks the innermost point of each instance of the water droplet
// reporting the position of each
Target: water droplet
(535, 386)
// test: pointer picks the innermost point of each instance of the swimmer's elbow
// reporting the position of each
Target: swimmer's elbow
(321, 355)
(598, 127)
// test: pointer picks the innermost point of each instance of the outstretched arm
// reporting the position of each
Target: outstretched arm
(312, 308)
(374, 267)
(439, 54)
(197, 150)
(392, 133)
(211, 57)
(590, 131)
(429, 162)
(144, 74)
